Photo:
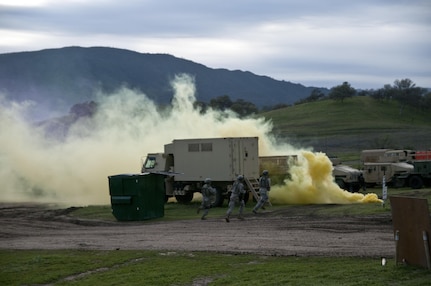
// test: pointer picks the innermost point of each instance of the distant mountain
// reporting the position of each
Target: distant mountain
(59, 78)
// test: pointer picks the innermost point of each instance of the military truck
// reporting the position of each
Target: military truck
(346, 177)
(420, 175)
(387, 163)
(394, 155)
(402, 168)
(386, 156)
(374, 172)
(278, 167)
(187, 162)
(421, 155)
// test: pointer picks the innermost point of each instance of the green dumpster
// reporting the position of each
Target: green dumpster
(137, 196)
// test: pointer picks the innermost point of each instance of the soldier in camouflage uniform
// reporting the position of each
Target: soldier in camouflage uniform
(264, 188)
(237, 196)
(208, 193)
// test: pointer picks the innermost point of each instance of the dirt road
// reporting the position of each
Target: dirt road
(31, 226)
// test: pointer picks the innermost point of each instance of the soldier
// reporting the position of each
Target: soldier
(362, 182)
(237, 196)
(208, 193)
(264, 188)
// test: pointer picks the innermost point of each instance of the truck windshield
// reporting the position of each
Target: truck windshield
(150, 163)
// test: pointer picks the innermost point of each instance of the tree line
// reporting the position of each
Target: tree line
(404, 91)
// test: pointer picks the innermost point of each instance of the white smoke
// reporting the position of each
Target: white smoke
(126, 126)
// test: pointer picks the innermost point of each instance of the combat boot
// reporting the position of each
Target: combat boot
(227, 218)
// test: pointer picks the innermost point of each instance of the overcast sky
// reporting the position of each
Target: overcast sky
(323, 43)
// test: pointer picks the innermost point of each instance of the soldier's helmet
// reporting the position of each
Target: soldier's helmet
(207, 181)
(240, 177)
(265, 172)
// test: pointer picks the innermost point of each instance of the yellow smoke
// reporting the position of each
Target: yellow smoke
(312, 183)
(126, 127)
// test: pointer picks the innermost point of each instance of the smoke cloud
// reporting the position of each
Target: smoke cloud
(126, 126)
(312, 183)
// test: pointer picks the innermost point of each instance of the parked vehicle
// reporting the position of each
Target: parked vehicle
(345, 176)
(420, 175)
(374, 172)
(187, 162)
(278, 167)
(385, 156)
(401, 168)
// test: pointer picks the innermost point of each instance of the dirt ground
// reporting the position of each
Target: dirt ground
(279, 233)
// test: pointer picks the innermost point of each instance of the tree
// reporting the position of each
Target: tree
(202, 106)
(405, 92)
(315, 95)
(387, 92)
(221, 102)
(240, 106)
(404, 84)
(365, 92)
(340, 92)
(426, 101)
(244, 108)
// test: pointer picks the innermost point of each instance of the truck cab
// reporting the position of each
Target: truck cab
(154, 162)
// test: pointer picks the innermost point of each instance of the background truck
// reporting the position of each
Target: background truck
(374, 172)
(417, 178)
(393, 156)
(277, 166)
(346, 177)
(187, 162)
(385, 156)
(402, 168)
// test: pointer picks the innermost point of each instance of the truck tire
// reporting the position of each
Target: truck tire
(416, 182)
(399, 183)
(184, 199)
(340, 183)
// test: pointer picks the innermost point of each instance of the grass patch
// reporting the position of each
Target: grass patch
(131, 267)
(346, 128)
(356, 114)
(101, 212)
(176, 211)
(123, 267)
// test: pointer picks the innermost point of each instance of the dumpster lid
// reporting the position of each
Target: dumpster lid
(171, 174)
(125, 175)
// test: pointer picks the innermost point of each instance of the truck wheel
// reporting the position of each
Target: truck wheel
(399, 183)
(218, 201)
(340, 183)
(184, 199)
(416, 182)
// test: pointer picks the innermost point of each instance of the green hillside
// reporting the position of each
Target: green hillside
(361, 122)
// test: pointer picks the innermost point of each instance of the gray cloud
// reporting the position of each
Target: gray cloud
(371, 43)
